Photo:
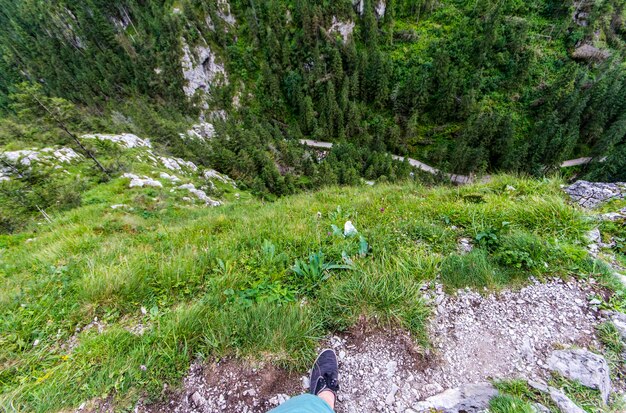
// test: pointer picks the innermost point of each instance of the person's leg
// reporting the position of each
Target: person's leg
(323, 389)
(305, 403)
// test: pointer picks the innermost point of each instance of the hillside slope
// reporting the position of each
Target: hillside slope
(115, 302)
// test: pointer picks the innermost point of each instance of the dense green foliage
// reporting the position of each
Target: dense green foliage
(469, 87)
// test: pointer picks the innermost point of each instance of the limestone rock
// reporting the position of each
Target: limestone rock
(137, 182)
(211, 174)
(380, 9)
(359, 6)
(590, 369)
(349, 229)
(344, 28)
(590, 52)
(201, 131)
(564, 403)
(594, 236)
(467, 398)
(591, 194)
(201, 69)
(465, 245)
(177, 164)
(200, 194)
(127, 140)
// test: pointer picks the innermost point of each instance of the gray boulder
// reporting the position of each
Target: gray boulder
(564, 403)
(591, 194)
(590, 369)
(468, 398)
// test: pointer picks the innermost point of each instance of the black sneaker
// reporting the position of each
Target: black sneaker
(325, 373)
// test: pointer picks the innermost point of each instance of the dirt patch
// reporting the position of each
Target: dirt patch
(230, 386)
(475, 338)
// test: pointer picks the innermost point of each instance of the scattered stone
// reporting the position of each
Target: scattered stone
(540, 408)
(118, 206)
(200, 194)
(197, 400)
(591, 194)
(380, 9)
(128, 140)
(465, 245)
(306, 382)
(467, 398)
(391, 396)
(594, 236)
(590, 369)
(279, 399)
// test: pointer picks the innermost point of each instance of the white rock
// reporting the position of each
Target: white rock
(594, 236)
(128, 140)
(65, 155)
(391, 396)
(344, 28)
(25, 157)
(349, 229)
(136, 183)
(210, 174)
(173, 178)
(177, 164)
(380, 9)
(201, 69)
(201, 131)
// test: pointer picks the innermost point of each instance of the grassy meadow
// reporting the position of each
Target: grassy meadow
(159, 284)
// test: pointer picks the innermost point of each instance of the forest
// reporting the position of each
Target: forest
(470, 87)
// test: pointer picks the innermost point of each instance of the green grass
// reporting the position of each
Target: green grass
(219, 282)
(509, 404)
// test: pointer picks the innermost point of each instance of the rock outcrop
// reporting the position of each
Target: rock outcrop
(201, 69)
(592, 194)
(590, 369)
(137, 182)
(202, 131)
(344, 28)
(127, 140)
(590, 52)
(468, 398)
